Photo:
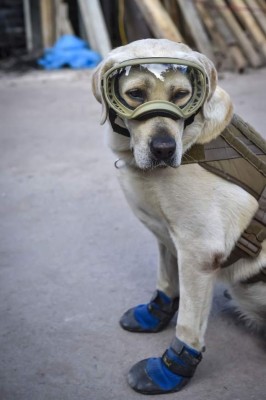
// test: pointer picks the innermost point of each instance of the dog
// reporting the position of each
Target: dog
(161, 98)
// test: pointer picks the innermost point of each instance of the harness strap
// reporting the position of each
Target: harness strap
(243, 150)
(250, 242)
(259, 277)
(238, 146)
(252, 135)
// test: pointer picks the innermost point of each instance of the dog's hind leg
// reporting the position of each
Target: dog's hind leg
(250, 297)
(156, 315)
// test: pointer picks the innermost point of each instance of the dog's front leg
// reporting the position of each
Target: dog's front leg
(155, 315)
(197, 275)
(167, 274)
(174, 369)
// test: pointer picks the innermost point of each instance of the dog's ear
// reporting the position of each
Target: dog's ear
(217, 110)
(97, 86)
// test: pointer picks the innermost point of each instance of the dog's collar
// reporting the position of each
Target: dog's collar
(119, 127)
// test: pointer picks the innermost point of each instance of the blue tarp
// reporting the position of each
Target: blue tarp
(69, 51)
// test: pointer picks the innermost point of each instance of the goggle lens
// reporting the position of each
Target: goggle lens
(130, 88)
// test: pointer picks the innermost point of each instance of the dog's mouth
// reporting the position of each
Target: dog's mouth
(154, 164)
(165, 163)
(149, 159)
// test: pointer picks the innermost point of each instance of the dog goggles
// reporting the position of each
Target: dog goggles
(145, 87)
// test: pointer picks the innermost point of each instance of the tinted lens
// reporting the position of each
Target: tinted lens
(138, 84)
(166, 85)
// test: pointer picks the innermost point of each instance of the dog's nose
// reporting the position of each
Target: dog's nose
(162, 147)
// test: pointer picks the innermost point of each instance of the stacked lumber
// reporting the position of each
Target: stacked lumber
(230, 32)
(94, 25)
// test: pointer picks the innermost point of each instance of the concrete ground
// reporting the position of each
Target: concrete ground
(73, 258)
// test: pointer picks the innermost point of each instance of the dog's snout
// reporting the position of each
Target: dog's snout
(163, 147)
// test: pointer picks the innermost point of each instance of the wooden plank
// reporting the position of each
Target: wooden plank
(238, 58)
(217, 39)
(235, 54)
(57, 4)
(94, 25)
(36, 23)
(247, 19)
(258, 13)
(136, 26)
(230, 40)
(196, 28)
(158, 20)
(262, 5)
(171, 8)
(222, 27)
(64, 23)
(28, 25)
(48, 23)
(245, 44)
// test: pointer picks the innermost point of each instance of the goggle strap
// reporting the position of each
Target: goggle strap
(190, 120)
(117, 128)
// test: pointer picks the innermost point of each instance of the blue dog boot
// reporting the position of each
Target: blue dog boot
(167, 374)
(151, 317)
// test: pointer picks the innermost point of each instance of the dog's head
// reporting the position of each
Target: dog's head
(164, 96)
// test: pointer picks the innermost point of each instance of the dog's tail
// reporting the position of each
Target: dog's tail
(250, 301)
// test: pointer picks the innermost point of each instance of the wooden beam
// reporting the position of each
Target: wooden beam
(94, 25)
(158, 20)
(210, 27)
(262, 5)
(196, 28)
(28, 25)
(48, 23)
(171, 8)
(249, 51)
(232, 45)
(247, 19)
(258, 13)
(235, 55)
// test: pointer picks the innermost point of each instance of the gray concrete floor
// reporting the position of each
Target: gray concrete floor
(73, 258)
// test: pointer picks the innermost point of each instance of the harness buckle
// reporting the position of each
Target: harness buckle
(249, 243)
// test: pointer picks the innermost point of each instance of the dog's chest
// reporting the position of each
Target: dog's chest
(142, 195)
(187, 204)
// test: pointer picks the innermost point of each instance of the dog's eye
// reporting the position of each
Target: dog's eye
(180, 94)
(135, 94)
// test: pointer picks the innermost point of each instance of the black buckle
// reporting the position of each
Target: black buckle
(187, 362)
(249, 244)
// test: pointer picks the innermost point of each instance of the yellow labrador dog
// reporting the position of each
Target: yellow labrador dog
(166, 116)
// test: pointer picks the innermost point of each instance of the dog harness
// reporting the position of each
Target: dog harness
(238, 155)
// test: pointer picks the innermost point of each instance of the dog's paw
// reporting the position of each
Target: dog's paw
(151, 317)
(167, 374)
